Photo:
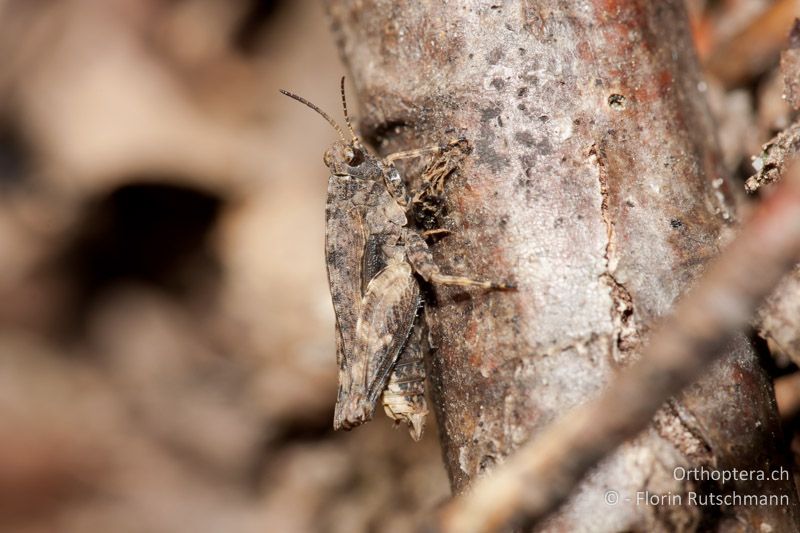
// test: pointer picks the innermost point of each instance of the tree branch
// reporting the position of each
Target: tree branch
(542, 474)
(597, 187)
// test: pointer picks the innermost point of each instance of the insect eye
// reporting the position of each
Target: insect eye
(349, 155)
(355, 157)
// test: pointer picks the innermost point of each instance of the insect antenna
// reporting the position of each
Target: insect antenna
(320, 111)
(346, 116)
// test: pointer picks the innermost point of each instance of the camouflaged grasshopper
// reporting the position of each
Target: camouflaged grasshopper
(373, 258)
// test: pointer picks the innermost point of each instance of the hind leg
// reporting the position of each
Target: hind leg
(421, 259)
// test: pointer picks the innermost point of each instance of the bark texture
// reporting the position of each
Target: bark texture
(596, 186)
(543, 473)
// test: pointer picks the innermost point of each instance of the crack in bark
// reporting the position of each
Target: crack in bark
(626, 336)
(579, 344)
(675, 424)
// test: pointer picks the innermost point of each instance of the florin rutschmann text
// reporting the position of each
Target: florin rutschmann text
(709, 497)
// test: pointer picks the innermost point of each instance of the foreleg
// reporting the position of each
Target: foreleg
(410, 154)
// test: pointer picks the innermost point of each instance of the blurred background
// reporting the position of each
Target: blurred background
(167, 356)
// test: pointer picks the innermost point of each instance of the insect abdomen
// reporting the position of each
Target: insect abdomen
(404, 395)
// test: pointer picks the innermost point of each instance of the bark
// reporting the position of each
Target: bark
(596, 186)
(541, 474)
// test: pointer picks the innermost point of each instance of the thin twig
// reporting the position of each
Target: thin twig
(542, 474)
